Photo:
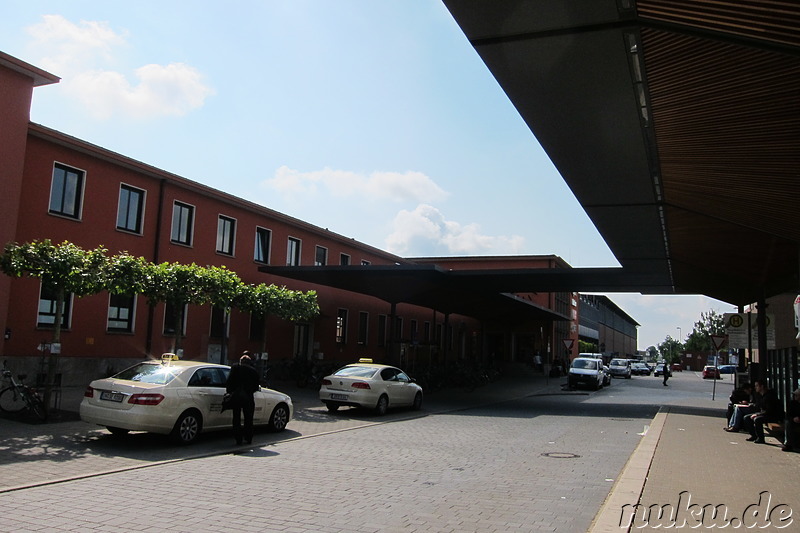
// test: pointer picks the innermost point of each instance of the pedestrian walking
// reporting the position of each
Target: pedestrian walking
(242, 383)
(667, 374)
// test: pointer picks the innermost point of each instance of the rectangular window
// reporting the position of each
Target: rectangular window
(321, 256)
(397, 334)
(170, 313)
(263, 242)
(47, 309)
(381, 330)
(258, 327)
(364, 262)
(344, 259)
(182, 223)
(130, 210)
(66, 191)
(341, 326)
(226, 235)
(414, 332)
(363, 327)
(426, 331)
(217, 322)
(293, 252)
(121, 313)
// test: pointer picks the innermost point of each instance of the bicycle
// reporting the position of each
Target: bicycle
(19, 397)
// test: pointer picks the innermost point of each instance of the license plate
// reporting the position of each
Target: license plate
(112, 396)
(338, 396)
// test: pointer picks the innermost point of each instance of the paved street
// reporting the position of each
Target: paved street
(517, 455)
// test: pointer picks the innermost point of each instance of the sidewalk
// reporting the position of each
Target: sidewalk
(685, 460)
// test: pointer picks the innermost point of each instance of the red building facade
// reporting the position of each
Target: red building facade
(61, 188)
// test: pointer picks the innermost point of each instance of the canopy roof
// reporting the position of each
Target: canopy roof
(676, 123)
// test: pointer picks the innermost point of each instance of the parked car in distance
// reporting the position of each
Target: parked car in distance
(727, 369)
(711, 372)
(676, 367)
(640, 369)
(371, 386)
(588, 372)
(620, 368)
(659, 370)
(174, 397)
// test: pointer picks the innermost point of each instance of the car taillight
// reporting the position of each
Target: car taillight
(360, 385)
(146, 399)
(326, 382)
(88, 393)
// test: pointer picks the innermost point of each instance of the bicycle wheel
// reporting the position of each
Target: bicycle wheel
(11, 401)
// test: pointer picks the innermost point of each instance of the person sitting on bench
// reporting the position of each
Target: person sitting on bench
(790, 431)
(769, 410)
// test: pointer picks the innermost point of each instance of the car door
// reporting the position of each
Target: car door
(207, 386)
(396, 384)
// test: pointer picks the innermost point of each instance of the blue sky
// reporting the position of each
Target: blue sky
(376, 120)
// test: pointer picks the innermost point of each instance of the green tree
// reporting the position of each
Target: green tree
(63, 269)
(710, 323)
(670, 350)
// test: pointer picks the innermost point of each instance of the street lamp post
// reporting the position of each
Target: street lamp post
(679, 340)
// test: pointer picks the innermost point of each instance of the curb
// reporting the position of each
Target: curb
(627, 490)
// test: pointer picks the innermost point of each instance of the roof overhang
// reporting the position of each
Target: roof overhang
(675, 124)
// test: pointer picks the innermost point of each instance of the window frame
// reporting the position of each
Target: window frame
(66, 316)
(363, 328)
(77, 194)
(167, 314)
(139, 215)
(293, 259)
(344, 259)
(189, 223)
(259, 244)
(320, 252)
(341, 326)
(226, 235)
(131, 314)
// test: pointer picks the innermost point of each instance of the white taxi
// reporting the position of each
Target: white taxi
(369, 385)
(173, 397)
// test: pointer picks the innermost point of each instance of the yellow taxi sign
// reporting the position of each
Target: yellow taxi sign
(167, 357)
(365, 360)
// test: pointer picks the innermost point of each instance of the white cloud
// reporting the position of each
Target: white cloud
(425, 231)
(78, 53)
(395, 186)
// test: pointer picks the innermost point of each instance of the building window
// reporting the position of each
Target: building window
(170, 316)
(293, 252)
(226, 235)
(47, 309)
(341, 326)
(263, 241)
(414, 332)
(363, 327)
(344, 259)
(397, 334)
(426, 331)
(381, 330)
(121, 313)
(258, 327)
(130, 210)
(182, 223)
(321, 256)
(66, 191)
(217, 323)
(364, 262)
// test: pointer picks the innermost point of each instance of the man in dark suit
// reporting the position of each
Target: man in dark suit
(769, 410)
(242, 383)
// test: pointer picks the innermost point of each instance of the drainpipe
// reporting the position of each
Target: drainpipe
(148, 347)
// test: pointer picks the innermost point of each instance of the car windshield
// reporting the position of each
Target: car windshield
(356, 372)
(618, 362)
(158, 374)
(584, 363)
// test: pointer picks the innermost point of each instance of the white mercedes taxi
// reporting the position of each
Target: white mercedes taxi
(173, 397)
(369, 385)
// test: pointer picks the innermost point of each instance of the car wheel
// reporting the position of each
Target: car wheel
(188, 427)
(382, 405)
(417, 405)
(279, 418)
(117, 432)
(332, 407)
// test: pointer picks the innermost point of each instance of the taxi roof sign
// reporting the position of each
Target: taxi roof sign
(167, 357)
(365, 360)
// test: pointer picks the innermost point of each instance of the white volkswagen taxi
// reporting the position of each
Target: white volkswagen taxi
(369, 385)
(173, 397)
